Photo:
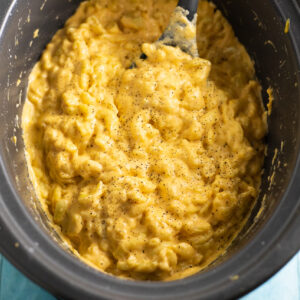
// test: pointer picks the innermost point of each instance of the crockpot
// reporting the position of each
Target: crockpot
(271, 236)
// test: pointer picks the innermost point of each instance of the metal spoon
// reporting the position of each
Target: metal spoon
(185, 14)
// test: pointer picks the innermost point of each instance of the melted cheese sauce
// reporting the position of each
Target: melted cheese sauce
(147, 173)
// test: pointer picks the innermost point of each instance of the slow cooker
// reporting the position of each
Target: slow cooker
(271, 236)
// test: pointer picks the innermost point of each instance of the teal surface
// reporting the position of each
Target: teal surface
(285, 285)
(15, 286)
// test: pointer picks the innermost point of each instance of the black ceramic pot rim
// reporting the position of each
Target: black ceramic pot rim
(31, 250)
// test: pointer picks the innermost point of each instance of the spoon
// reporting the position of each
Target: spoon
(181, 31)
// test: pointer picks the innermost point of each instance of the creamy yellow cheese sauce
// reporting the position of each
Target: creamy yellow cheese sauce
(147, 173)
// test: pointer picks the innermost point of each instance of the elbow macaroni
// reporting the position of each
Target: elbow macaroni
(149, 173)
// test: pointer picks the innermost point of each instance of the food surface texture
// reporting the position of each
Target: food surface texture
(148, 173)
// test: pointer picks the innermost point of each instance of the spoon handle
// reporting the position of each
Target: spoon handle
(191, 6)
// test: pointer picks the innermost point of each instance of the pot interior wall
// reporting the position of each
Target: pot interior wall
(257, 25)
